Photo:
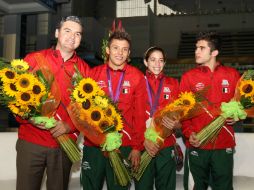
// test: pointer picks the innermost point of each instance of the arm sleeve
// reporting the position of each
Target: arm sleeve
(139, 115)
(186, 125)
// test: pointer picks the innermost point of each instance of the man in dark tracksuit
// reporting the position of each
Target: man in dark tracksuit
(214, 159)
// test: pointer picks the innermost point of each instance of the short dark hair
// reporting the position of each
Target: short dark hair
(119, 35)
(213, 39)
(152, 49)
(70, 18)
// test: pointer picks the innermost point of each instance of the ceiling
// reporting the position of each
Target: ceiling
(209, 5)
(28, 6)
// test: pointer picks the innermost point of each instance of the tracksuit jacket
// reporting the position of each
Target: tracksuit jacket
(131, 101)
(221, 86)
(169, 93)
(63, 72)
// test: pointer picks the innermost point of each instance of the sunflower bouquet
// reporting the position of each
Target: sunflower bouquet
(240, 107)
(97, 117)
(187, 105)
(30, 96)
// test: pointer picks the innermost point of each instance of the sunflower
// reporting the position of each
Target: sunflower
(25, 98)
(102, 102)
(38, 88)
(246, 88)
(14, 109)
(25, 82)
(38, 98)
(96, 115)
(110, 110)
(187, 99)
(19, 65)
(87, 104)
(18, 109)
(8, 75)
(118, 122)
(78, 97)
(100, 92)
(9, 89)
(88, 87)
(105, 125)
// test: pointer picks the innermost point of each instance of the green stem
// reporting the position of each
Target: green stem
(145, 160)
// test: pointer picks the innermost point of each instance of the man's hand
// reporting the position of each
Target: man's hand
(60, 128)
(171, 124)
(193, 140)
(151, 147)
(134, 157)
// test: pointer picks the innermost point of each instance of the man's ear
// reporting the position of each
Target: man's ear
(56, 33)
(107, 50)
(215, 53)
(145, 62)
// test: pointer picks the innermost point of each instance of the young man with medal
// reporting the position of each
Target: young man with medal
(215, 159)
(125, 85)
(160, 91)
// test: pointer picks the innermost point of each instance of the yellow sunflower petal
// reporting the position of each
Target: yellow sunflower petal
(25, 82)
(246, 88)
(102, 102)
(88, 87)
(20, 65)
(8, 75)
(38, 88)
(187, 99)
(9, 89)
(25, 98)
(118, 122)
(78, 97)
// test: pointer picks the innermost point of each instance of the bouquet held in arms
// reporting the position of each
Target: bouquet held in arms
(186, 106)
(97, 117)
(240, 107)
(33, 96)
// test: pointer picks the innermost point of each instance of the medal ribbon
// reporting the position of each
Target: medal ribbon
(116, 97)
(153, 104)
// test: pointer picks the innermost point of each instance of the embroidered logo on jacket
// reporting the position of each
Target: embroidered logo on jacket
(126, 83)
(86, 166)
(194, 153)
(125, 91)
(101, 84)
(225, 86)
(199, 86)
(166, 96)
(166, 89)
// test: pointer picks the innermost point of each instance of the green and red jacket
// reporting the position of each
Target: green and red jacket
(131, 101)
(169, 92)
(220, 86)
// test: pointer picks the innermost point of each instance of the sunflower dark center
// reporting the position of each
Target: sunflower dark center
(80, 95)
(13, 87)
(10, 75)
(88, 88)
(104, 125)
(248, 89)
(115, 122)
(20, 67)
(108, 112)
(24, 83)
(86, 104)
(96, 115)
(36, 89)
(186, 102)
(25, 96)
